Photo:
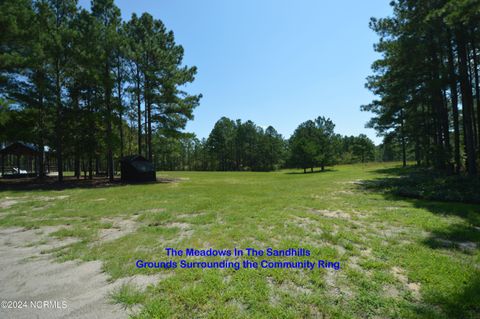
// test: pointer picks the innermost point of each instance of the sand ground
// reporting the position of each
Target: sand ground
(27, 273)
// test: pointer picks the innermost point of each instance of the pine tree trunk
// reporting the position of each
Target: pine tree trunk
(75, 128)
(146, 129)
(477, 86)
(120, 109)
(438, 108)
(446, 133)
(91, 132)
(77, 163)
(426, 136)
(90, 168)
(41, 165)
(122, 138)
(467, 104)
(108, 106)
(418, 158)
(139, 111)
(454, 101)
(402, 137)
(471, 64)
(59, 124)
(41, 145)
(149, 119)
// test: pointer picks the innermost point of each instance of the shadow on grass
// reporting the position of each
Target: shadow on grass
(465, 304)
(421, 183)
(441, 195)
(426, 191)
(461, 303)
(462, 236)
(327, 170)
(457, 236)
(51, 183)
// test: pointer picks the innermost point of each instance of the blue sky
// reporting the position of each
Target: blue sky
(275, 62)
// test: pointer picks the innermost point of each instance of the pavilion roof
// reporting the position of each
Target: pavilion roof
(19, 148)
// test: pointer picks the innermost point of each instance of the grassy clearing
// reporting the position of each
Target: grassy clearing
(400, 257)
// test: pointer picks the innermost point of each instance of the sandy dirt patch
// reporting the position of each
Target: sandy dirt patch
(330, 281)
(50, 198)
(190, 215)
(182, 226)
(292, 288)
(7, 202)
(28, 273)
(413, 287)
(391, 291)
(331, 213)
(153, 210)
(185, 230)
(120, 228)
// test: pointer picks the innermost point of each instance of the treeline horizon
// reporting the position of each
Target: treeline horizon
(245, 146)
(234, 145)
(427, 83)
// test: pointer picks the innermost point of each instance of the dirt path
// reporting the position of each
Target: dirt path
(80, 289)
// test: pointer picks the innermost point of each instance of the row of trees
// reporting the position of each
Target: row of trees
(88, 84)
(231, 146)
(315, 144)
(428, 82)
(236, 145)
(244, 146)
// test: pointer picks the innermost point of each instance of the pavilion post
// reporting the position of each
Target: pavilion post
(35, 161)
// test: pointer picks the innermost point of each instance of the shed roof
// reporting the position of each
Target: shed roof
(133, 158)
(138, 162)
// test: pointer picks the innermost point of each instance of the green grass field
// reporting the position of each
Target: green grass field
(400, 257)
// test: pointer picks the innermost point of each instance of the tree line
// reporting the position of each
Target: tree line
(241, 146)
(428, 84)
(87, 84)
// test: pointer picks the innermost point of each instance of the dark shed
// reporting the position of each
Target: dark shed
(136, 168)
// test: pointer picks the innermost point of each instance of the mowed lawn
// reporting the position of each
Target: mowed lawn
(400, 258)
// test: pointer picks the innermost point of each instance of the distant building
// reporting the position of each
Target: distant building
(21, 159)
